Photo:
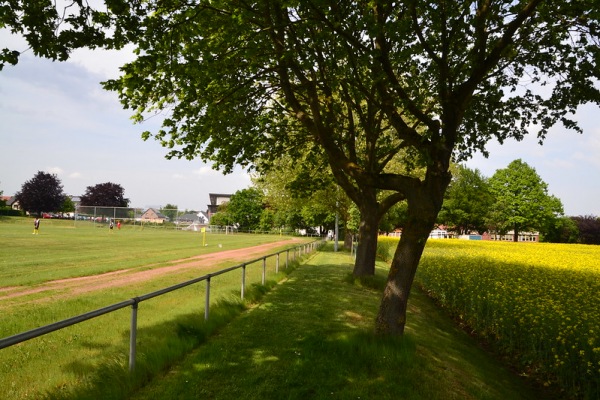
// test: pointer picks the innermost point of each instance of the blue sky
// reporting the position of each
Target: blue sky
(57, 118)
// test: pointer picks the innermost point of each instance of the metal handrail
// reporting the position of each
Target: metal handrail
(133, 302)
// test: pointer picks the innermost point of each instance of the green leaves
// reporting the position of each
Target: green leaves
(521, 198)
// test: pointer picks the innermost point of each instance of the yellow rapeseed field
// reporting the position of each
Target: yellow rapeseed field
(537, 302)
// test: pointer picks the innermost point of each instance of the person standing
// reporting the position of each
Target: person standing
(36, 226)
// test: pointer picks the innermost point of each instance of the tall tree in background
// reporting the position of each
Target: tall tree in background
(42, 193)
(467, 202)
(363, 82)
(245, 208)
(521, 200)
(105, 195)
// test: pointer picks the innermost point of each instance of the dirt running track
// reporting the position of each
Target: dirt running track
(204, 263)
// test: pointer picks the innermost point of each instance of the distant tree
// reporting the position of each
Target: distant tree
(170, 210)
(105, 195)
(521, 200)
(222, 216)
(561, 230)
(589, 229)
(43, 193)
(68, 205)
(302, 195)
(467, 202)
(245, 208)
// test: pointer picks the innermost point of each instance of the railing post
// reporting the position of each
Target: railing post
(243, 280)
(287, 258)
(207, 299)
(264, 271)
(277, 264)
(133, 335)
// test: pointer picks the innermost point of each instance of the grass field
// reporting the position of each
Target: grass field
(64, 249)
(312, 338)
(168, 327)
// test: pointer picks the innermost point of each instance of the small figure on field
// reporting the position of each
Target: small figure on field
(111, 225)
(119, 225)
(36, 226)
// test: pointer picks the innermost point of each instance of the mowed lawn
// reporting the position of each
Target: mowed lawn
(65, 248)
(64, 360)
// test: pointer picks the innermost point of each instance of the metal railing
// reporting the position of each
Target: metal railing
(298, 251)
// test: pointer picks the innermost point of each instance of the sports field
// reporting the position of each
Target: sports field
(69, 269)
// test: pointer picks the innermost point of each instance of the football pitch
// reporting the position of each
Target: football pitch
(70, 269)
(67, 249)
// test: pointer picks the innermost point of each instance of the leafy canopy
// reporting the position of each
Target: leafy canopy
(42, 193)
(521, 199)
(105, 194)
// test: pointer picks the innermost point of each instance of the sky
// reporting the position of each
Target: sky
(55, 117)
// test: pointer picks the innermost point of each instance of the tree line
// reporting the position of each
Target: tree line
(44, 194)
(515, 199)
(386, 94)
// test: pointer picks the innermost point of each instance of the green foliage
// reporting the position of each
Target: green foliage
(42, 193)
(467, 202)
(68, 205)
(245, 208)
(560, 230)
(170, 210)
(105, 194)
(521, 200)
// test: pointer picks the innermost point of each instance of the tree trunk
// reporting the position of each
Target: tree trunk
(366, 252)
(392, 310)
(423, 207)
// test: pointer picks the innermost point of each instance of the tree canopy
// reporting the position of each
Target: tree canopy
(467, 202)
(105, 195)
(521, 200)
(42, 193)
(359, 83)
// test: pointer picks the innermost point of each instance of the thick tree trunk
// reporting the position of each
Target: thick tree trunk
(366, 252)
(392, 310)
(423, 207)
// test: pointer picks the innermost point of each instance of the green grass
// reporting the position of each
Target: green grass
(68, 360)
(311, 337)
(65, 249)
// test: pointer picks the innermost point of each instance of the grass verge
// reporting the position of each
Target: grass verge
(312, 338)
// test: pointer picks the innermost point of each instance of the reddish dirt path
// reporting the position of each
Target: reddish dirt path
(204, 263)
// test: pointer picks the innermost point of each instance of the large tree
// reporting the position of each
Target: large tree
(521, 200)
(467, 202)
(105, 195)
(43, 192)
(245, 208)
(363, 82)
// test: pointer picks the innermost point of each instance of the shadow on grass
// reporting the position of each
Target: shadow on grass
(158, 348)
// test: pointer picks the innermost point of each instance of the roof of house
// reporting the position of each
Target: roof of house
(156, 212)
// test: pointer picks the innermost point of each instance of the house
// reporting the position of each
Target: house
(215, 201)
(153, 215)
(12, 202)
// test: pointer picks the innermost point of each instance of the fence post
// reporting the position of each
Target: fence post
(133, 335)
(287, 258)
(264, 271)
(243, 280)
(277, 264)
(207, 299)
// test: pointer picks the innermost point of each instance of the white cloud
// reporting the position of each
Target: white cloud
(55, 170)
